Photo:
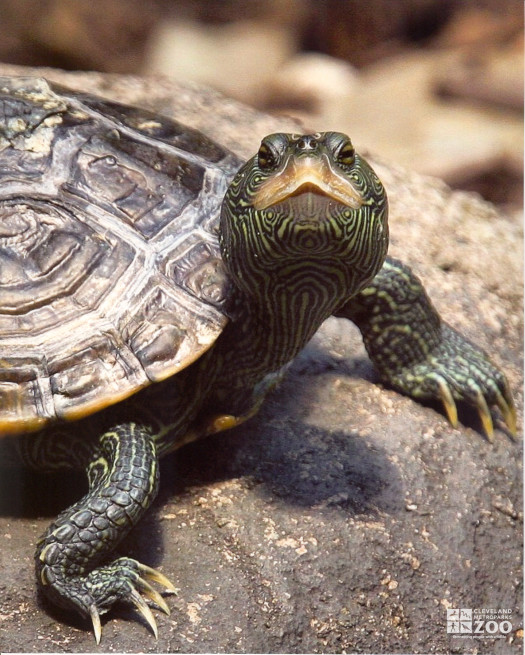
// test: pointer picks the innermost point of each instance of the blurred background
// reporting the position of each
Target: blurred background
(435, 85)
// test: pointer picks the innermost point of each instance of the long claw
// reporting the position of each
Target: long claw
(448, 402)
(485, 416)
(512, 421)
(95, 619)
(508, 412)
(153, 595)
(143, 608)
(156, 576)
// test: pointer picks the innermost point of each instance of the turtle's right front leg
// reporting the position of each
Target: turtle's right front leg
(73, 558)
(419, 354)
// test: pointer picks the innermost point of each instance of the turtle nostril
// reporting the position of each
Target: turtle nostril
(307, 142)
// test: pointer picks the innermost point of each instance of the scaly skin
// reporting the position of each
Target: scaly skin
(303, 235)
(70, 557)
(419, 354)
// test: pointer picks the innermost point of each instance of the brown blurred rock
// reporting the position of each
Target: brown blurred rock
(364, 32)
(492, 76)
(488, 67)
(237, 58)
(313, 83)
(108, 36)
(234, 46)
(282, 12)
(482, 27)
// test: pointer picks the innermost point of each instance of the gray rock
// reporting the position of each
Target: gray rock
(344, 517)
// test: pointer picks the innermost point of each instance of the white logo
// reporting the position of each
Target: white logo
(479, 623)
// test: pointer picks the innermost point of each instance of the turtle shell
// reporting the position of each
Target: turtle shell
(110, 271)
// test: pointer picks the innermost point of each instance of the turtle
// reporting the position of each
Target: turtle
(154, 288)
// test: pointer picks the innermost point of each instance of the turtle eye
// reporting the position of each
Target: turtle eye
(266, 157)
(346, 154)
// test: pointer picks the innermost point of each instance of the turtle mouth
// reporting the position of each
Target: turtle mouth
(310, 179)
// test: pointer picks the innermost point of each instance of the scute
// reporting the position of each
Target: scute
(110, 272)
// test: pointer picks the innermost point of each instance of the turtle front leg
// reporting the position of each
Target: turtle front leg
(73, 557)
(419, 354)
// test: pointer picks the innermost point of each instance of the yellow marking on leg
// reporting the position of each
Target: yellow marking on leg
(42, 556)
(43, 577)
(220, 423)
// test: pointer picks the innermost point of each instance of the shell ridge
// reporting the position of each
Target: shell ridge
(115, 279)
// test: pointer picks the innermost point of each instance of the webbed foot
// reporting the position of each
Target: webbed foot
(457, 371)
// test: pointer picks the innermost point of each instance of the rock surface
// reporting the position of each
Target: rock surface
(344, 517)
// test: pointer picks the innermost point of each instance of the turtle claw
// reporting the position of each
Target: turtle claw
(97, 627)
(156, 576)
(123, 580)
(458, 373)
(485, 416)
(481, 405)
(131, 592)
(508, 410)
(148, 591)
(143, 608)
(448, 402)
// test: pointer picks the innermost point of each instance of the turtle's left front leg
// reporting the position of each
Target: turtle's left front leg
(74, 563)
(419, 354)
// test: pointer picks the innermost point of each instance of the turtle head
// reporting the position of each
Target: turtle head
(305, 205)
